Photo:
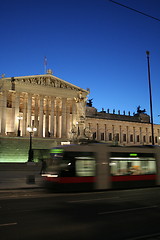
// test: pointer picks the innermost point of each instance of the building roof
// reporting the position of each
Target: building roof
(138, 117)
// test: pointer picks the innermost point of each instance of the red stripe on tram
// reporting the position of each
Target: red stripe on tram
(71, 179)
(133, 178)
(77, 179)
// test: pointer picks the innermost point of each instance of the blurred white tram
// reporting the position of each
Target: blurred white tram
(98, 166)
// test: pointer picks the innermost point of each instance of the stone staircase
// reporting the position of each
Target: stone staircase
(15, 149)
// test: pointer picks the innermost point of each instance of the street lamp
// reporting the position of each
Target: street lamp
(19, 118)
(150, 94)
(30, 152)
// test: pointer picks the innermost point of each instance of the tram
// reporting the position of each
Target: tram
(98, 166)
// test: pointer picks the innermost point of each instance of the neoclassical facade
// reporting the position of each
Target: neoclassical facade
(57, 109)
(121, 129)
(51, 105)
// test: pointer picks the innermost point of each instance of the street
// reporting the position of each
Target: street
(124, 214)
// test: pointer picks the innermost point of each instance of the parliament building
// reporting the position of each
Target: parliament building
(53, 111)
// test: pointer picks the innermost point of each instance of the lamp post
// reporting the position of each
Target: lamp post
(150, 94)
(30, 152)
(19, 131)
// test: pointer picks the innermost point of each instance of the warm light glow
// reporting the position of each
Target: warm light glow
(49, 175)
(19, 117)
(29, 129)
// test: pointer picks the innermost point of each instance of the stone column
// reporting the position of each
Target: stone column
(105, 132)
(134, 135)
(158, 137)
(74, 113)
(147, 137)
(57, 120)
(52, 116)
(16, 112)
(97, 130)
(40, 129)
(113, 136)
(141, 141)
(36, 115)
(29, 110)
(127, 134)
(1, 104)
(3, 112)
(63, 130)
(120, 134)
(68, 126)
(24, 124)
(47, 118)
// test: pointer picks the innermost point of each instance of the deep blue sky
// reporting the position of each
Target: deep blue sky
(93, 44)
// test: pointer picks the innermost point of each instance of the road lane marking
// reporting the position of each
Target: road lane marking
(145, 236)
(127, 210)
(8, 224)
(90, 200)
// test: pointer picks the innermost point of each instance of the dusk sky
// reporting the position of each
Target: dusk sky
(94, 44)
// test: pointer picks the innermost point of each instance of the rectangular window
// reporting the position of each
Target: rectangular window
(110, 136)
(94, 135)
(124, 137)
(131, 138)
(144, 139)
(117, 137)
(102, 136)
(9, 101)
(138, 138)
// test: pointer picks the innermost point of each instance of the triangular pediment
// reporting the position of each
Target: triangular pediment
(47, 80)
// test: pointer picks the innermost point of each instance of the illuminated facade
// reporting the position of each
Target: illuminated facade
(57, 109)
(45, 102)
(122, 129)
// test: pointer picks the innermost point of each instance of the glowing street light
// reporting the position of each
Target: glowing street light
(30, 152)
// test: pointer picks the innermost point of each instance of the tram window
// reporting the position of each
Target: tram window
(78, 164)
(133, 167)
(51, 165)
(85, 167)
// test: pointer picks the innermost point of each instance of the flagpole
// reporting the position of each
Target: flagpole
(45, 65)
(45, 70)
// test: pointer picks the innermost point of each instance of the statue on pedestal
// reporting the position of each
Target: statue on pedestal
(81, 114)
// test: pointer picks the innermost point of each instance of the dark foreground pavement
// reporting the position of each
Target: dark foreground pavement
(37, 214)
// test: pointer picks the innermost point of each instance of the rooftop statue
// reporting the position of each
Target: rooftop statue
(90, 102)
(139, 110)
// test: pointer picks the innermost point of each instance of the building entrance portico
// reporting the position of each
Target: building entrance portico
(42, 101)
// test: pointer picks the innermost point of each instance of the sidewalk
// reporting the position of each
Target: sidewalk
(22, 193)
(19, 176)
(20, 182)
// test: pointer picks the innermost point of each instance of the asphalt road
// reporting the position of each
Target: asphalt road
(125, 214)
